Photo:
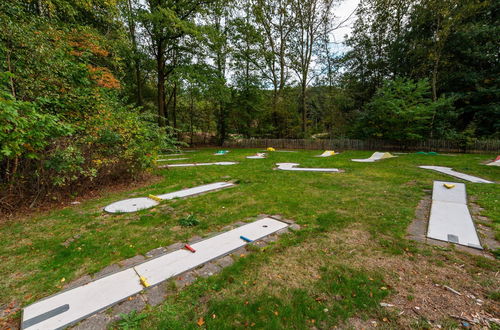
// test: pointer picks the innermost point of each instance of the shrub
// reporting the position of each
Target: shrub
(403, 110)
(64, 125)
(189, 221)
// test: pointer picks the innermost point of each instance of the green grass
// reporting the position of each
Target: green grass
(380, 198)
(340, 292)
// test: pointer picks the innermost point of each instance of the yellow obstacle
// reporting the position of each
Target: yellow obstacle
(387, 155)
(271, 149)
(449, 185)
(144, 282)
(327, 153)
(155, 198)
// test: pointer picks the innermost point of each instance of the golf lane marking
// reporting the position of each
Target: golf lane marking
(131, 205)
(292, 167)
(450, 219)
(95, 296)
(168, 159)
(197, 164)
(196, 190)
(450, 171)
(83, 301)
(442, 194)
(374, 157)
(141, 203)
(164, 267)
(44, 316)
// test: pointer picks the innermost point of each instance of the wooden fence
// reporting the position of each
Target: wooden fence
(481, 146)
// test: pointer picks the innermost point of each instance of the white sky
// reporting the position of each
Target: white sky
(342, 12)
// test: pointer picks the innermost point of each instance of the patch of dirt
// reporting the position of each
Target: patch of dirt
(68, 201)
(422, 286)
(418, 228)
(425, 288)
(355, 323)
(9, 324)
(411, 183)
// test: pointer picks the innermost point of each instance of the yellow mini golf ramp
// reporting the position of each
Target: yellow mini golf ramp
(327, 153)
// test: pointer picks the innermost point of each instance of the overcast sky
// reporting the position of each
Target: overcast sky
(342, 12)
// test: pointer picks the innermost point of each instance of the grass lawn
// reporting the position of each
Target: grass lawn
(350, 255)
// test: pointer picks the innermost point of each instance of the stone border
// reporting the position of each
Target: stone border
(155, 295)
(417, 229)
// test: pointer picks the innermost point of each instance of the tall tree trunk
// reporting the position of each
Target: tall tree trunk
(174, 107)
(191, 119)
(137, 61)
(140, 101)
(434, 92)
(274, 112)
(303, 107)
(160, 63)
(434, 78)
(221, 123)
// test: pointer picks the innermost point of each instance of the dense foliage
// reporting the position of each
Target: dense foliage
(403, 111)
(63, 123)
(453, 44)
(90, 89)
(267, 68)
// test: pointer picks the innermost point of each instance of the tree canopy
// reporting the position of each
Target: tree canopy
(95, 89)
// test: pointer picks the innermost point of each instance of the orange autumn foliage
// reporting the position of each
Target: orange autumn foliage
(83, 42)
(103, 77)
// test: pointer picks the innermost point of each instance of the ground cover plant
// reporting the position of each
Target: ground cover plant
(351, 253)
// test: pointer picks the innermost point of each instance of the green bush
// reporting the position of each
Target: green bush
(24, 131)
(189, 221)
(64, 122)
(403, 110)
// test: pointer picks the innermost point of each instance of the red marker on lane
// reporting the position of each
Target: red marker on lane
(189, 248)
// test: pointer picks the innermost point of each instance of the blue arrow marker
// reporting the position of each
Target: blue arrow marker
(246, 239)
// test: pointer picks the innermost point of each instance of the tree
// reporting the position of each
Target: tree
(376, 48)
(130, 13)
(312, 17)
(64, 123)
(401, 110)
(247, 83)
(166, 22)
(433, 27)
(218, 45)
(275, 21)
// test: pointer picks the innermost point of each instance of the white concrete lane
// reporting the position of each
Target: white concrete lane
(141, 203)
(162, 268)
(450, 171)
(81, 302)
(450, 219)
(69, 307)
(293, 167)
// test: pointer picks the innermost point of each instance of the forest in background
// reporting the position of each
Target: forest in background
(92, 90)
